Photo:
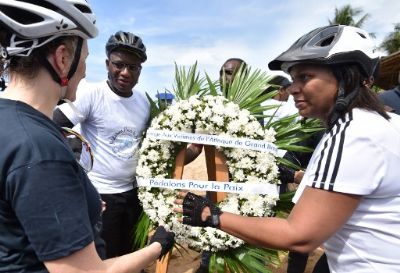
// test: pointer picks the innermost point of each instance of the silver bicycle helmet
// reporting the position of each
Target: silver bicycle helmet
(336, 44)
(34, 23)
(126, 41)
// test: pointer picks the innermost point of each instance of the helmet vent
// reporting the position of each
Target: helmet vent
(83, 8)
(327, 41)
(362, 35)
(21, 16)
(41, 3)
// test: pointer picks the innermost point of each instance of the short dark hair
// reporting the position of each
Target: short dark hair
(236, 60)
(242, 64)
(279, 80)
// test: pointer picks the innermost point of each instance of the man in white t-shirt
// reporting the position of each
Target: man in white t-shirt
(113, 116)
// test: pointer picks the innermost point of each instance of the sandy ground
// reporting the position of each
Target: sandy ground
(187, 261)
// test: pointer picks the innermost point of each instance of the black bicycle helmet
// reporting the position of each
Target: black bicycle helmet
(126, 41)
(336, 44)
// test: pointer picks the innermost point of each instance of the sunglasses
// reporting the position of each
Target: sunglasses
(69, 133)
(131, 67)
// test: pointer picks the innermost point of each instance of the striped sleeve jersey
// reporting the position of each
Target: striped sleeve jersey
(360, 155)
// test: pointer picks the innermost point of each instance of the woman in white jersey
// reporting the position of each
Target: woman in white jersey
(349, 198)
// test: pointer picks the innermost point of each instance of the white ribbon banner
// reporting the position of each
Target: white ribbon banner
(224, 141)
(196, 185)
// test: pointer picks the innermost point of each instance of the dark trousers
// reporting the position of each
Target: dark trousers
(119, 218)
(297, 262)
(322, 265)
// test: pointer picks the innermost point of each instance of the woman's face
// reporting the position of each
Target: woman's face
(314, 90)
(80, 73)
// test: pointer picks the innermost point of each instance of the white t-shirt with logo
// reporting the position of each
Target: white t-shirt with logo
(361, 156)
(113, 125)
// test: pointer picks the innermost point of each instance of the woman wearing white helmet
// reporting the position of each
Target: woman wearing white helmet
(49, 211)
(349, 198)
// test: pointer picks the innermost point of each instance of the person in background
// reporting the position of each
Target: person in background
(113, 116)
(228, 71)
(349, 197)
(282, 99)
(226, 75)
(165, 98)
(50, 213)
(391, 98)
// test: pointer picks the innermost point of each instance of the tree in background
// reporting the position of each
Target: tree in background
(346, 16)
(391, 43)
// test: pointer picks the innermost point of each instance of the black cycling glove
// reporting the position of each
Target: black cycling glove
(165, 238)
(193, 206)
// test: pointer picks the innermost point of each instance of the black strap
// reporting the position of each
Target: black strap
(77, 57)
(43, 60)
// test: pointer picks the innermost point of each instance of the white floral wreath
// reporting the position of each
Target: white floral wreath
(214, 115)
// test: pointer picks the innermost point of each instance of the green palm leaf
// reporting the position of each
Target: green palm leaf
(154, 107)
(284, 204)
(246, 259)
(188, 83)
(142, 229)
(247, 89)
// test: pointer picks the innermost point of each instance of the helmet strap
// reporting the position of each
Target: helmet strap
(76, 59)
(342, 103)
(64, 81)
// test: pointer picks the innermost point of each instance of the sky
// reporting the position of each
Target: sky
(211, 31)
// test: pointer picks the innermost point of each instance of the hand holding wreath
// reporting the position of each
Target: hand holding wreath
(197, 211)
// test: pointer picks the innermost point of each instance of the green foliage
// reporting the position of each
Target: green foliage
(284, 204)
(154, 108)
(291, 130)
(391, 43)
(188, 83)
(346, 16)
(246, 259)
(247, 90)
(142, 229)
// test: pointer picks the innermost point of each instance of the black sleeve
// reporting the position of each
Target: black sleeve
(60, 119)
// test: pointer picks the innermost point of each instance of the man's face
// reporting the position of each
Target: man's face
(229, 69)
(123, 70)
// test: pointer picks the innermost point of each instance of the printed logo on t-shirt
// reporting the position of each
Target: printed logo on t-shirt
(124, 143)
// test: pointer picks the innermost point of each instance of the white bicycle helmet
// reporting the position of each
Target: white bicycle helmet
(34, 23)
(127, 41)
(336, 44)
